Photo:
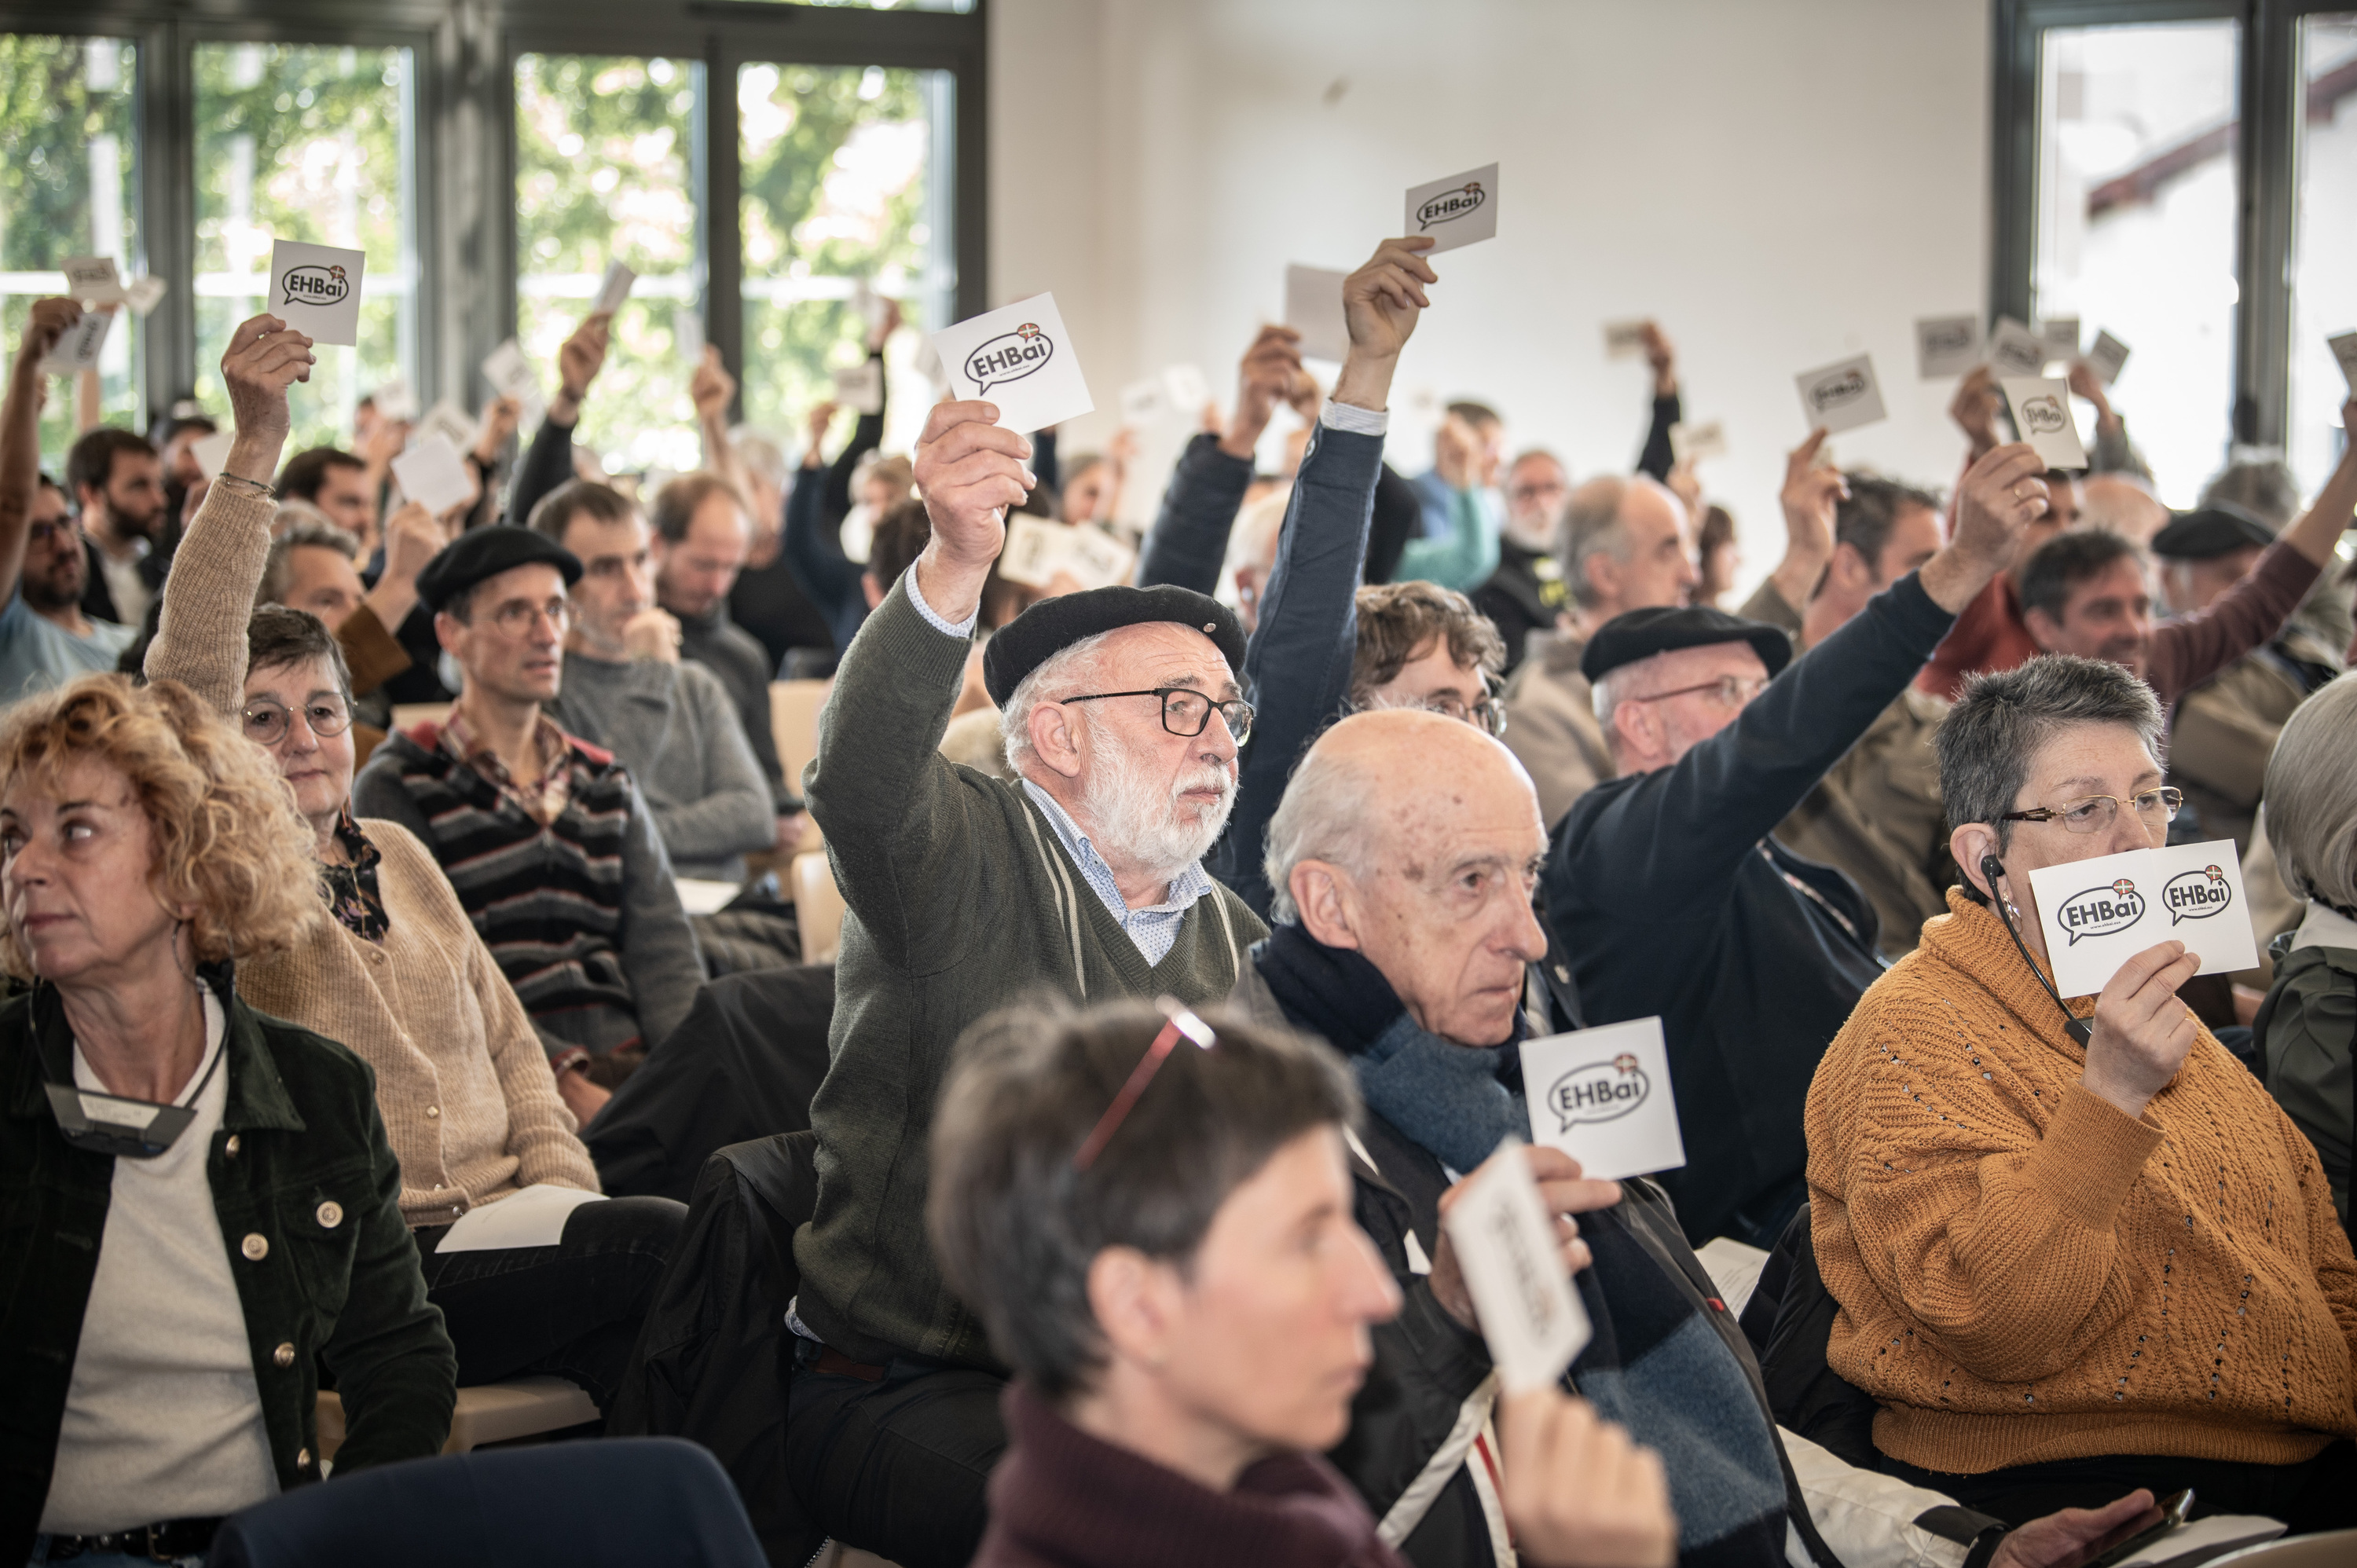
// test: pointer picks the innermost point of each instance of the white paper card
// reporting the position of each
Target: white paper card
(1693, 442)
(2098, 914)
(2042, 413)
(315, 289)
(144, 295)
(1313, 308)
(510, 376)
(448, 421)
(93, 280)
(2344, 349)
(1145, 402)
(1459, 210)
(430, 473)
(687, 335)
(2107, 357)
(1603, 1097)
(534, 1217)
(212, 452)
(2061, 335)
(861, 388)
(613, 289)
(1019, 358)
(699, 896)
(1946, 345)
(1038, 551)
(1187, 388)
(2015, 349)
(78, 350)
(395, 402)
(1506, 1248)
(1624, 339)
(1842, 395)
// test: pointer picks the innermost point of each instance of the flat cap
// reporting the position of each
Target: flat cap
(2207, 532)
(486, 552)
(1640, 634)
(1051, 626)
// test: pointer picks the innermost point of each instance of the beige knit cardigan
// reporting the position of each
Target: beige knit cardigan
(461, 1080)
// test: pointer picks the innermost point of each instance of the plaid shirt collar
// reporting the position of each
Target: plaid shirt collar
(544, 798)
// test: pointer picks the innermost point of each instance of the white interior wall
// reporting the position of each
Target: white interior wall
(1780, 185)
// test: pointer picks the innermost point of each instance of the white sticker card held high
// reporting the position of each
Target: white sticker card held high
(448, 421)
(1625, 340)
(1506, 1248)
(316, 290)
(2098, 914)
(1313, 308)
(1603, 1097)
(860, 387)
(2108, 356)
(78, 348)
(534, 1217)
(2015, 349)
(1019, 358)
(93, 280)
(613, 289)
(1459, 210)
(1693, 442)
(1946, 345)
(1842, 395)
(429, 472)
(2042, 412)
(508, 373)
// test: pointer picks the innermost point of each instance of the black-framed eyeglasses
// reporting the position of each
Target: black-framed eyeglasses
(1186, 711)
(1182, 1022)
(2094, 813)
(267, 720)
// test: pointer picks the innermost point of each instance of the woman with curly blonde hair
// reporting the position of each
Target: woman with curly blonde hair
(203, 1203)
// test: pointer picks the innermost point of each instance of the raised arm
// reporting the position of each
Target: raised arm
(1188, 543)
(1810, 495)
(209, 597)
(2114, 453)
(549, 461)
(712, 389)
(1659, 457)
(868, 434)
(813, 555)
(20, 431)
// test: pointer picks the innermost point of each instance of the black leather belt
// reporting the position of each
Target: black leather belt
(174, 1538)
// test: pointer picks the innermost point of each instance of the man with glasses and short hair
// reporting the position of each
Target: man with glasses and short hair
(551, 847)
(45, 637)
(1667, 892)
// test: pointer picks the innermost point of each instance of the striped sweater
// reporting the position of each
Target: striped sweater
(581, 914)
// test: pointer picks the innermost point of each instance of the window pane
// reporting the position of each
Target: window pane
(883, 5)
(841, 184)
(2136, 220)
(310, 142)
(603, 150)
(2324, 237)
(68, 187)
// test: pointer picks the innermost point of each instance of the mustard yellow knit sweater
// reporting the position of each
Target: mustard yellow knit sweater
(2026, 1274)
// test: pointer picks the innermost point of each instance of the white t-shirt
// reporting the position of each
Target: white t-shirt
(163, 1418)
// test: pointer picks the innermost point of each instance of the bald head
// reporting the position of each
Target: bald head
(1416, 840)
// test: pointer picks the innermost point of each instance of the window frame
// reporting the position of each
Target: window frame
(463, 92)
(2268, 104)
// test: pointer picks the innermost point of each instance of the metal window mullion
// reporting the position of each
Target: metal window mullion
(720, 205)
(167, 211)
(2268, 168)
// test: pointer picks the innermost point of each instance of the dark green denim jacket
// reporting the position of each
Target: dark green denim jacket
(300, 1133)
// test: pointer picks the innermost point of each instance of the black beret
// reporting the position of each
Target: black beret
(1051, 626)
(486, 552)
(1640, 634)
(2204, 535)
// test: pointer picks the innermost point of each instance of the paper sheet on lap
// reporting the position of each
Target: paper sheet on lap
(534, 1217)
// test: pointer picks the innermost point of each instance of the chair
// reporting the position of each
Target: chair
(408, 715)
(793, 721)
(1788, 1321)
(487, 1414)
(620, 1503)
(818, 908)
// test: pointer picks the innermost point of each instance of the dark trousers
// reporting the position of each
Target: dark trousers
(2320, 1494)
(895, 1466)
(571, 1310)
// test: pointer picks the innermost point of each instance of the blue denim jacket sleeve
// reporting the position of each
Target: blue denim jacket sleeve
(1189, 541)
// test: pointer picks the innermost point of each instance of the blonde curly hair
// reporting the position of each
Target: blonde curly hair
(227, 836)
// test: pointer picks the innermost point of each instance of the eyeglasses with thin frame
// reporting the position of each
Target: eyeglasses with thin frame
(1486, 713)
(2095, 813)
(515, 618)
(1732, 691)
(1182, 1023)
(268, 720)
(1186, 711)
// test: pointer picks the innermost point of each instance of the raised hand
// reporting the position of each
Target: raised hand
(413, 536)
(2142, 1030)
(816, 424)
(711, 386)
(1975, 407)
(1662, 357)
(1812, 492)
(1380, 303)
(578, 361)
(2002, 494)
(889, 324)
(970, 470)
(1562, 1190)
(46, 327)
(1264, 379)
(263, 359)
(500, 417)
(1577, 1491)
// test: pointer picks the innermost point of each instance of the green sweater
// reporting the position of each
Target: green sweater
(960, 901)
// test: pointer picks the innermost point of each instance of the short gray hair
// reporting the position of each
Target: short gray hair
(2311, 797)
(278, 569)
(1988, 738)
(1079, 662)
(1017, 1224)
(2265, 485)
(1590, 527)
(1327, 814)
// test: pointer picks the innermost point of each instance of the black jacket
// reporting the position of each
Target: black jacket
(302, 1113)
(1670, 898)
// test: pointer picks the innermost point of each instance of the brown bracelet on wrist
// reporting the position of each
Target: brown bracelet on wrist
(256, 486)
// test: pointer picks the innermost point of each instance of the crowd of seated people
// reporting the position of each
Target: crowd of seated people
(1190, 930)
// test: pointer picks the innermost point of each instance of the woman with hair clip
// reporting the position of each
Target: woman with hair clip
(2076, 1246)
(199, 1204)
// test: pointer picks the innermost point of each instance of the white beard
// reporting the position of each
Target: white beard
(1142, 818)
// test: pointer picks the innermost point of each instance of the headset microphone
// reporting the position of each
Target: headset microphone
(2080, 1029)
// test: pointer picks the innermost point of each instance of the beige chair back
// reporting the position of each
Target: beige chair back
(487, 1414)
(818, 908)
